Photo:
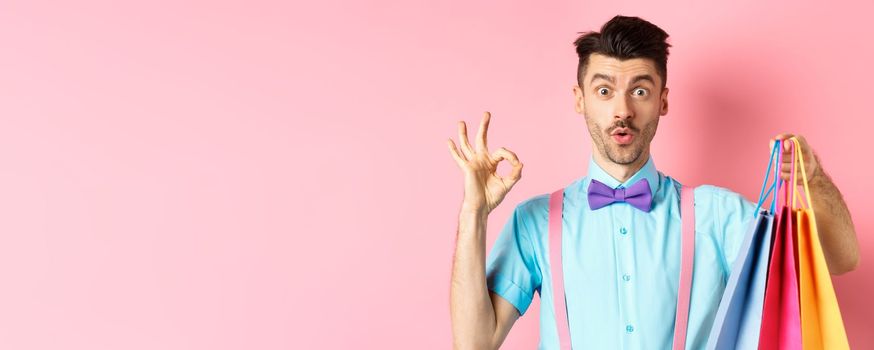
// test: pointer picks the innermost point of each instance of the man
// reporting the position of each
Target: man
(622, 261)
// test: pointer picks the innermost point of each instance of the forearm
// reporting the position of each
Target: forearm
(471, 309)
(834, 224)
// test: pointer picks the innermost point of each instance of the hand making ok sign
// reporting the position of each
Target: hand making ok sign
(483, 188)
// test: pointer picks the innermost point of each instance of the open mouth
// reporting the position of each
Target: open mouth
(622, 136)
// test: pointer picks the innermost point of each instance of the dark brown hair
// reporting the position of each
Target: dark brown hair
(625, 38)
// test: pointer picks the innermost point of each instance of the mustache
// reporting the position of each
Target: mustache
(620, 125)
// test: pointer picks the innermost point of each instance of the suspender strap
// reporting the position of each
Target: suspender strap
(561, 320)
(687, 212)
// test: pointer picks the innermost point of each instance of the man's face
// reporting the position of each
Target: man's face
(622, 102)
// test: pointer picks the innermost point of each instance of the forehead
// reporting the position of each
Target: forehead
(621, 70)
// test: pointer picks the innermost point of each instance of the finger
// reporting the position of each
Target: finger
(804, 153)
(462, 140)
(786, 172)
(778, 137)
(516, 172)
(798, 179)
(786, 157)
(787, 169)
(481, 135)
(503, 153)
(810, 161)
(802, 144)
(455, 153)
(785, 143)
(788, 145)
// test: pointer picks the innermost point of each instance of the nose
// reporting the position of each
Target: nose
(622, 108)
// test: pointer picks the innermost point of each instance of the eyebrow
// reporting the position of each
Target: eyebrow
(612, 80)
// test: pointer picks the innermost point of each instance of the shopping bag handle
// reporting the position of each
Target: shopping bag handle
(806, 201)
(789, 191)
(775, 156)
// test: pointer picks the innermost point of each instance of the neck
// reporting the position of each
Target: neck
(621, 172)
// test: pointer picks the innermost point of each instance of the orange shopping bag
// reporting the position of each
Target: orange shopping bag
(821, 323)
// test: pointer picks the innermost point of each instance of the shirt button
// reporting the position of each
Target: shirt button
(623, 230)
(626, 278)
(629, 328)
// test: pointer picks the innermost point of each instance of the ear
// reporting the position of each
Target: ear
(579, 102)
(664, 98)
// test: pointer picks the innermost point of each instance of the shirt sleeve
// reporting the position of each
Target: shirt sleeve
(735, 212)
(511, 268)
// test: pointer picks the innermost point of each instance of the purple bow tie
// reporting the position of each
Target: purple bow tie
(638, 195)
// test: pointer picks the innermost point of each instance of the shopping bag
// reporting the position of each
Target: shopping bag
(739, 316)
(781, 318)
(821, 323)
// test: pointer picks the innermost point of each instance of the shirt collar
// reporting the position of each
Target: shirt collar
(648, 172)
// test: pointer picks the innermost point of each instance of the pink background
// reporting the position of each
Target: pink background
(260, 175)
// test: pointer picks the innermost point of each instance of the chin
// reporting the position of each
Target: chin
(625, 157)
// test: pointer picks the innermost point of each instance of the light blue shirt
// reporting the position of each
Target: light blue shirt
(621, 264)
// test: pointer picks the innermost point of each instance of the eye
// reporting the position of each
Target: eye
(603, 91)
(641, 92)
